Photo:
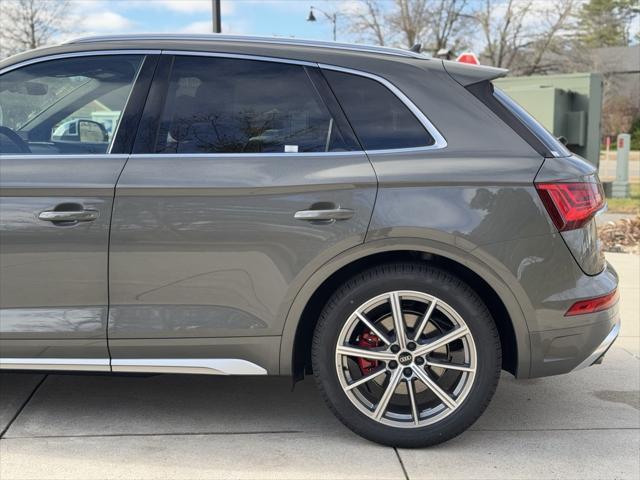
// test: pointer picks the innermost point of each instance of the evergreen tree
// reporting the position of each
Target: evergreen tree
(606, 23)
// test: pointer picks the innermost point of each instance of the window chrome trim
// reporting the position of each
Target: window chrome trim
(87, 53)
(45, 156)
(60, 56)
(439, 141)
(245, 155)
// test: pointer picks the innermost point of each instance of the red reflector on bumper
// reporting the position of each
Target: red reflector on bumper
(593, 305)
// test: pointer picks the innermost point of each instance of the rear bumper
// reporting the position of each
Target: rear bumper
(597, 355)
(564, 350)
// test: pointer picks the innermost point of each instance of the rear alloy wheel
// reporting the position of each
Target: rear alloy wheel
(412, 370)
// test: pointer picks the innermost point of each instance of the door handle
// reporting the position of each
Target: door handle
(68, 216)
(324, 215)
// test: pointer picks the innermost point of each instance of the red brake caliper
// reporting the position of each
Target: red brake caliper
(368, 340)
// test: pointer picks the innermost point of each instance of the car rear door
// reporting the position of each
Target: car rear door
(245, 179)
(56, 199)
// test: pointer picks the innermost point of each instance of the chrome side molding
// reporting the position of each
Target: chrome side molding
(65, 364)
(202, 366)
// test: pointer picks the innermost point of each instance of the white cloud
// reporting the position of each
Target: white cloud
(232, 28)
(197, 27)
(105, 21)
(192, 6)
(351, 7)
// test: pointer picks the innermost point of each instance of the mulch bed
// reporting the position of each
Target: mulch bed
(621, 236)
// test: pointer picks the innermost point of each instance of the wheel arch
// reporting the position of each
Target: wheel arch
(303, 315)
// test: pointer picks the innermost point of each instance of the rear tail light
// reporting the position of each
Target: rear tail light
(593, 305)
(571, 205)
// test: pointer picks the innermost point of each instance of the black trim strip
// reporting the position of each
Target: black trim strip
(483, 91)
(128, 127)
(335, 110)
(150, 122)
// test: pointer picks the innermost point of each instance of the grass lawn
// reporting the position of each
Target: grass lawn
(626, 205)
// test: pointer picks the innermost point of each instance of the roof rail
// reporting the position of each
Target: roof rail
(217, 37)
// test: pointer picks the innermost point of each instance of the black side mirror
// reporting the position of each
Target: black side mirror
(92, 132)
(36, 88)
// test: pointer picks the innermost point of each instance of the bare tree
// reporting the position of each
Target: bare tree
(550, 37)
(410, 19)
(27, 24)
(435, 23)
(524, 35)
(368, 21)
(502, 25)
(448, 20)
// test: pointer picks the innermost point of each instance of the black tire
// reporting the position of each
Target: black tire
(422, 278)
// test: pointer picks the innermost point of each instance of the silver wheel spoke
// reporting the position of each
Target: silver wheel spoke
(363, 380)
(425, 319)
(450, 366)
(414, 409)
(365, 353)
(425, 401)
(398, 319)
(441, 394)
(442, 341)
(372, 327)
(388, 393)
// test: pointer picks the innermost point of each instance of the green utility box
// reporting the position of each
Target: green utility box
(568, 106)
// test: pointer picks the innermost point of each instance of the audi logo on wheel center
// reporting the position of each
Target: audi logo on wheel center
(405, 358)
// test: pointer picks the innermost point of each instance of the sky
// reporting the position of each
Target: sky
(286, 18)
(256, 17)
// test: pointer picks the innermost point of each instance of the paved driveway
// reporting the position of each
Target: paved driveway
(583, 425)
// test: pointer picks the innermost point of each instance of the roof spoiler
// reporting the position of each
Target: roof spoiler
(466, 74)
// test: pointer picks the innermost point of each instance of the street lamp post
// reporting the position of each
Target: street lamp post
(215, 16)
(332, 17)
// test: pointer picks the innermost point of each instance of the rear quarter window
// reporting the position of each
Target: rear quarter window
(556, 148)
(519, 120)
(381, 121)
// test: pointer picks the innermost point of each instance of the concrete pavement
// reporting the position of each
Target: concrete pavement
(583, 425)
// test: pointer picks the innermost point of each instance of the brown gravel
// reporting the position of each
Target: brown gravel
(621, 236)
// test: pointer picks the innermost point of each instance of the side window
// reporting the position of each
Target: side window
(66, 106)
(219, 105)
(379, 118)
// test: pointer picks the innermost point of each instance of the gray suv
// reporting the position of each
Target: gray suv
(392, 224)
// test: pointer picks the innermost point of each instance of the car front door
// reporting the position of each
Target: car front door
(244, 180)
(58, 169)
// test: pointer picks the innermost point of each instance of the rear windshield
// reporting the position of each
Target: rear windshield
(556, 148)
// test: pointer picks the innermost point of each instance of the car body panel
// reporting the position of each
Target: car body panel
(207, 245)
(53, 278)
